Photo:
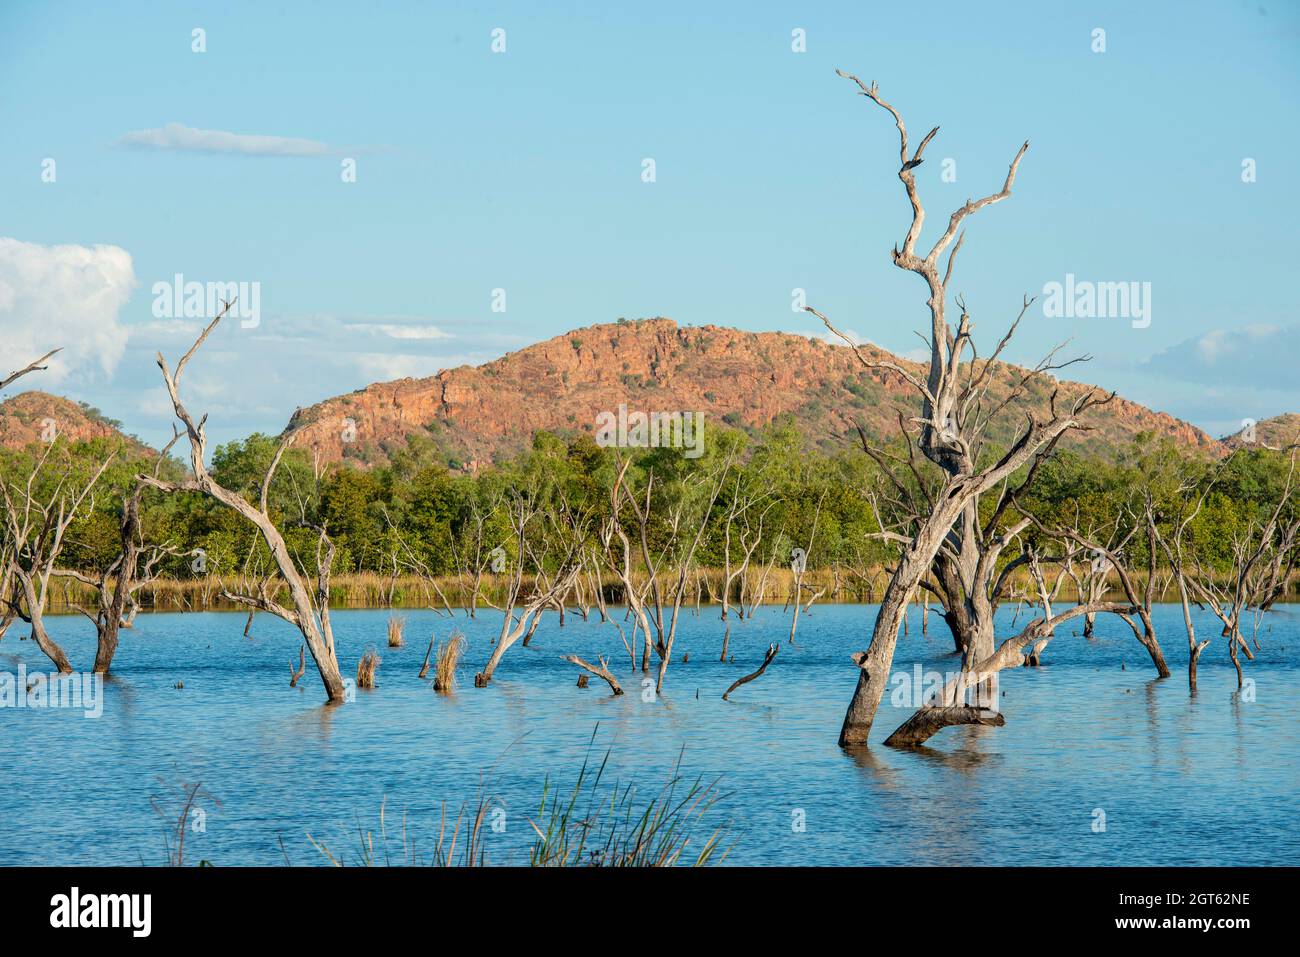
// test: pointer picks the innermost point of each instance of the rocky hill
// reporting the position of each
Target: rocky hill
(479, 414)
(1275, 433)
(38, 416)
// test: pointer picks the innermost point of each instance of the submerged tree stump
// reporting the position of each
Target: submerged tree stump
(296, 673)
(424, 668)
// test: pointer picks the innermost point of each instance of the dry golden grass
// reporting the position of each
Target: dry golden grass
(448, 657)
(396, 625)
(368, 590)
(366, 668)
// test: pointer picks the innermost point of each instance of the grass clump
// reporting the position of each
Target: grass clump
(366, 668)
(600, 823)
(610, 829)
(396, 625)
(448, 657)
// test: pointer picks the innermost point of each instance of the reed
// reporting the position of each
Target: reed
(368, 590)
(460, 846)
(448, 657)
(600, 823)
(367, 667)
(396, 625)
(603, 825)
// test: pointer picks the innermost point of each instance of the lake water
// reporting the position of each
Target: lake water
(1210, 779)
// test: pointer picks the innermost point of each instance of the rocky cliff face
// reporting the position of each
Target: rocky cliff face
(1275, 433)
(39, 417)
(483, 413)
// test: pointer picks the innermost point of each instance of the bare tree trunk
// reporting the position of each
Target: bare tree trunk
(875, 662)
(42, 637)
(310, 614)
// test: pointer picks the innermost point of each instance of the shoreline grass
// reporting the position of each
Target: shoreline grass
(371, 591)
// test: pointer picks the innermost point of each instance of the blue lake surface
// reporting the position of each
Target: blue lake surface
(1210, 779)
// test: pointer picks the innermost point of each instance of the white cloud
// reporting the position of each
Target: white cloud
(64, 297)
(396, 330)
(825, 335)
(1222, 377)
(380, 367)
(1211, 346)
(187, 139)
(1258, 354)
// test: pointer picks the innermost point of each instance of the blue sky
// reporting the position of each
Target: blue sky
(522, 170)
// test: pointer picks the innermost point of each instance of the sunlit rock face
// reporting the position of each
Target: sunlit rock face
(477, 414)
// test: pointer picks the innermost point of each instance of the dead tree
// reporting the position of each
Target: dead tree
(597, 584)
(697, 494)
(310, 609)
(36, 524)
(405, 557)
(116, 586)
(563, 528)
(1113, 557)
(295, 674)
(34, 366)
(759, 591)
(1263, 555)
(10, 593)
(1091, 582)
(968, 576)
(1172, 544)
(1046, 596)
(800, 567)
(953, 421)
(472, 558)
(617, 554)
(744, 509)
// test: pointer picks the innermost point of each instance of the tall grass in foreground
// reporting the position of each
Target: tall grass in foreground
(610, 830)
(599, 824)
(461, 846)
